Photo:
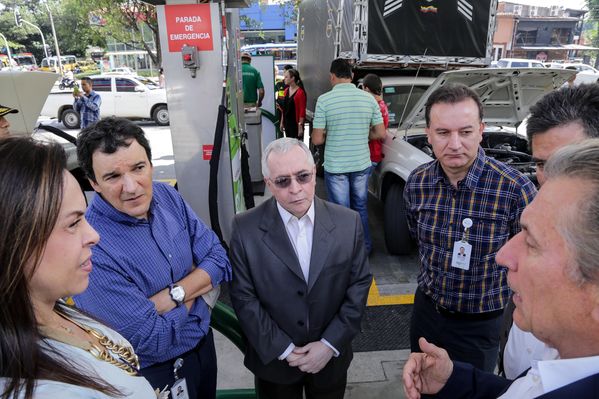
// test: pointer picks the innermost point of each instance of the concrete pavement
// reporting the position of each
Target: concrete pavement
(371, 374)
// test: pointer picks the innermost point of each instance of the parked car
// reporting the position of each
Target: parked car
(123, 71)
(506, 94)
(585, 73)
(519, 63)
(26, 91)
(123, 96)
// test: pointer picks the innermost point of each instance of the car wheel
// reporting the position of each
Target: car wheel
(397, 234)
(160, 115)
(70, 119)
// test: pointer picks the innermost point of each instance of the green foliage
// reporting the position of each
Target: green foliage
(125, 20)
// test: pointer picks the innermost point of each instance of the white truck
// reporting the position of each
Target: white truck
(123, 96)
(417, 46)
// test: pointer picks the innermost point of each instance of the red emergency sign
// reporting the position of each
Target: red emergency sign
(207, 152)
(189, 24)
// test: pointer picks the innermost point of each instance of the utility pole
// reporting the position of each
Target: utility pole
(55, 39)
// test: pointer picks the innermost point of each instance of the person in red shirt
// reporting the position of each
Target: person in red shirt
(373, 85)
(294, 108)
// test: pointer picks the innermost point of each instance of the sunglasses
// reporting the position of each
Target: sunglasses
(285, 181)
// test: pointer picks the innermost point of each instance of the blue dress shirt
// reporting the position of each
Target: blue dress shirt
(136, 258)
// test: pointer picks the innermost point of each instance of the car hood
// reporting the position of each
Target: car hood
(26, 91)
(506, 93)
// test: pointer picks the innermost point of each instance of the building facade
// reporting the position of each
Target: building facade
(268, 22)
(542, 33)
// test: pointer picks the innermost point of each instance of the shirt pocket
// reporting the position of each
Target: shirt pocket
(487, 235)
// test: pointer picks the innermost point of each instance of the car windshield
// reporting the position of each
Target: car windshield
(396, 98)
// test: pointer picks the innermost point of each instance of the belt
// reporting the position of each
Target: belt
(455, 315)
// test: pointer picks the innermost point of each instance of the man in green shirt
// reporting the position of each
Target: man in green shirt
(253, 89)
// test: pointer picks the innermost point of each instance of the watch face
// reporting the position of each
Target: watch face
(178, 293)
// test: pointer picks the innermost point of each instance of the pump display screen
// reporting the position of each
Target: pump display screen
(436, 28)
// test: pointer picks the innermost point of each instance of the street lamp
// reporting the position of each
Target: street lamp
(55, 38)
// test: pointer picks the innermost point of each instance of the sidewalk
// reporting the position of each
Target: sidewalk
(371, 374)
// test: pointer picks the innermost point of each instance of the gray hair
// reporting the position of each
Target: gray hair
(581, 232)
(281, 146)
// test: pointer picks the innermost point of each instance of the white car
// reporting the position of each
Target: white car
(585, 73)
(518, 63)
(27, 91)
(123, 96)
(123, 71)
(506, 94)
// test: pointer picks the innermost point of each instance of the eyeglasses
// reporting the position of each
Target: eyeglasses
(285, 181)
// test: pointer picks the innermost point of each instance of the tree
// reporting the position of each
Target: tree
(129, 21)
(593, 6)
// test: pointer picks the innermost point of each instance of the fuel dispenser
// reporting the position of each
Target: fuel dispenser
(202, 67)
(201, 61)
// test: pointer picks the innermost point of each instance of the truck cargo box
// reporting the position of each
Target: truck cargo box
(392, 35)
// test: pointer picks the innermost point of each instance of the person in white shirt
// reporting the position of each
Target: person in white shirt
(49, 349)
(561, 117)
(300, 281)
(553, 269)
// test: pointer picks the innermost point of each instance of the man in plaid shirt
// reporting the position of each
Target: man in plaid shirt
(462, 203)
(87, 103)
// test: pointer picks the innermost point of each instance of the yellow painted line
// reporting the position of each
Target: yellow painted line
(170, 182)
(376, 299)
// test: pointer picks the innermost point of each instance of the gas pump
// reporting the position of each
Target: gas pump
(201, 62)
(200, 54)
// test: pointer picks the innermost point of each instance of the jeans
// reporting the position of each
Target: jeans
(351, 191)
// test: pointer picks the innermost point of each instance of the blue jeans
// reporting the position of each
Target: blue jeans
(351, 191)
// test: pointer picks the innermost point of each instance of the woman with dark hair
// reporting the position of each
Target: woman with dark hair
(49, 349)
(294, 108)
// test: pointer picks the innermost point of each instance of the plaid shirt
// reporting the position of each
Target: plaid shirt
(88, 108)
(493, 195)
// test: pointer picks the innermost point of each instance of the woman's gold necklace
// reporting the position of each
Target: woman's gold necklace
(127, 359)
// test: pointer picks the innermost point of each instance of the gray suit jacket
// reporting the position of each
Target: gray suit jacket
(274, 303)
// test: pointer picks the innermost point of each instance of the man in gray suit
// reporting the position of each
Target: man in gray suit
(300, 281)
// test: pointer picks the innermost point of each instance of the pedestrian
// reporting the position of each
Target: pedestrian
(294, 106)
(49, 348)
(342, 122)
(161, 79)
(461, 199)
(554, 273)
(253, 88)
(372, 84)
(155, 261)
(4, 123)
(87, 103)
(560, 118)
(301, 281)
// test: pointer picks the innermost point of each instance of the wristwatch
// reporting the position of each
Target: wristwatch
(177, 294)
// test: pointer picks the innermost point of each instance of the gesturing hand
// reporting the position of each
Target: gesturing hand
(316, 355)
(426, 372)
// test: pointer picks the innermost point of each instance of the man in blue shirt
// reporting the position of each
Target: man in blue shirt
(154, 262)
(87, 103)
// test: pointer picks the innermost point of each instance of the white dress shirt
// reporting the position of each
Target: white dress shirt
(548, 375)
(521, 350)
(300, 232)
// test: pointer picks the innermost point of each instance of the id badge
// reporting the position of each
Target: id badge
(179, 389)
(461, 255)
